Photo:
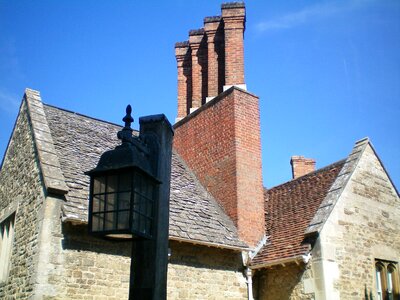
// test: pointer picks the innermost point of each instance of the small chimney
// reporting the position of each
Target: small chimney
(184, 64)
(234, 18)
(301, 166)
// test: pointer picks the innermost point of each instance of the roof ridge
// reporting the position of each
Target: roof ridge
(83, 115)
(332, 165)
(49, 164)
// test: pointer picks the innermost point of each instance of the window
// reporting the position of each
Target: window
(387, 280)
(6, 239)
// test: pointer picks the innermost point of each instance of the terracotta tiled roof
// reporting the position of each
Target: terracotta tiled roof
(290, 207)
(195, 215)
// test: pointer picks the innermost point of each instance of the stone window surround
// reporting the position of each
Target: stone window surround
(5, 214)
(384, 266)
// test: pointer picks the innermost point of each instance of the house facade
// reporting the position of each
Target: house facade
(331, 233)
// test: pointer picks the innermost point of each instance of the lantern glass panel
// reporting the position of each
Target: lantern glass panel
(110, 219)
(123, 220)
(110, 207)
(97, 222)
(116, 209)
(143, 203)
(124, 200)
(99, 185)
(111, 201)
(135, 221)
(98, 203)
(125, 182)
(112, 183)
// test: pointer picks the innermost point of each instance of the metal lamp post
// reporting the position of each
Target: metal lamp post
(129, 199)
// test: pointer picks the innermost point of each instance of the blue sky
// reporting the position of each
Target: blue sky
(327, 72)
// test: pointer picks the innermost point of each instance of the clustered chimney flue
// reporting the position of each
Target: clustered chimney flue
(212, 60)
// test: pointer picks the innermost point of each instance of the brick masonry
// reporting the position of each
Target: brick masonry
(233, 16)
(213, 58)
(301, 166)
(212, 28)
(184, 66)
(221, 144)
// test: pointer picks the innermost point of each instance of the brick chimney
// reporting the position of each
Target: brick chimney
(234, 17)
(214, 32)
(184, 64)
(301, 166)
(216, 59)
(196, 42)
(220, 139)
(220, 142)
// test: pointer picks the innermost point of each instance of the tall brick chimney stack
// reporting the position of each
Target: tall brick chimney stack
(217, 58)
(234, 17)
(220, 140)
(301, 166)
(196, 38)
(212, 28)
(184, 63)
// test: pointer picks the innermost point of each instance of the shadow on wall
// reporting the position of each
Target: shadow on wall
(210, 258)
(76, 238)
(282, 283)
(368, 296)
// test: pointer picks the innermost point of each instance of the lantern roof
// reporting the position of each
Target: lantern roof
(132, 153)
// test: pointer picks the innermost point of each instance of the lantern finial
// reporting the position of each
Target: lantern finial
(128, 118)
(125, 135)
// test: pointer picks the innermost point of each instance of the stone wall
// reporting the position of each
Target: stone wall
(199, 272)
(21, 189)
(84, 267)
(93, 269)
(283, 282)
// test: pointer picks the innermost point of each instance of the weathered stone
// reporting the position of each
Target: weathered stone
(21, 188)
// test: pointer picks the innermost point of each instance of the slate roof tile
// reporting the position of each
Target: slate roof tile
(80, 140)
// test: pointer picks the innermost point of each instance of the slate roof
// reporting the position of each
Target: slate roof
(195, 216)
(290, 207)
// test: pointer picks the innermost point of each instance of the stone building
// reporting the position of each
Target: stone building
(331, 233)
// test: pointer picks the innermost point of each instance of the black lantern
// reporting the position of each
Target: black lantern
(123, 189)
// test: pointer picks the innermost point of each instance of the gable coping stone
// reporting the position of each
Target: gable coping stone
(337, 188)
(49, 164)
